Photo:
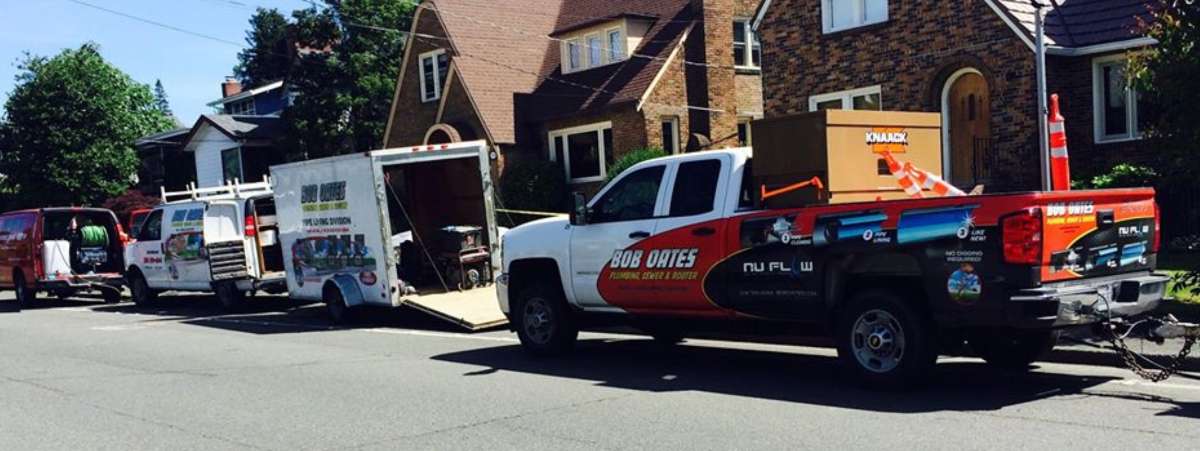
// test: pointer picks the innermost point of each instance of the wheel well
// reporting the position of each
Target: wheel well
(133, 270)
(329, 290)
(525, 273)
(897, 272)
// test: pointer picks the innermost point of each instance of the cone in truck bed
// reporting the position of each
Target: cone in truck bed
(473, 310)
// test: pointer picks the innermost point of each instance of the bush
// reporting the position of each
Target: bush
(537, 185)
(1123, 175)
(126, 203)
(633, 157)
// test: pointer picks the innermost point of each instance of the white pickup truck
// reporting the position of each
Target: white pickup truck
(678, 245)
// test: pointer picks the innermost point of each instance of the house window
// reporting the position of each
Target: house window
(583, 152)
(574, 62)
(855, 99)
(616, 47)
(838, 15)
(242, 107)
(433, 74)
(595, 51)
(743, 131)
(670, 135)
(231, 164)
(1116, 103)
(743, 37)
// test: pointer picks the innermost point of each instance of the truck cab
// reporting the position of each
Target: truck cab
(681, 245)
(223, 240)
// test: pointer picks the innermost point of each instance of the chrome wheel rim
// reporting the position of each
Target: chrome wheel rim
(877, 341)
(538, 320)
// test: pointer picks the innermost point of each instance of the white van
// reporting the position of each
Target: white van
(222, 239)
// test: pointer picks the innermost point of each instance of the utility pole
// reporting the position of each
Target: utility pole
(1040, 62)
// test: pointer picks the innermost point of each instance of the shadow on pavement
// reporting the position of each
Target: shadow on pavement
(782, 376)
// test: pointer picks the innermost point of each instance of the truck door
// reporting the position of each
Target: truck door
(183, 247)
(147, 252)
(622, 215)
(226, 250)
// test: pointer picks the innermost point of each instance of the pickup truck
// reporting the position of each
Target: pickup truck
(677, 245)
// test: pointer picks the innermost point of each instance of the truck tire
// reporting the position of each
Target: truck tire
(140, 291)
(883, 342)
(1013, 349)
(111, 296)
(232, 299)
(543, 321)
(24, 295)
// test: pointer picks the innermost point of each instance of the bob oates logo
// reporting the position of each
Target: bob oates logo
(893, 140)
(1059, 213)
(656, 264)
(323, 197)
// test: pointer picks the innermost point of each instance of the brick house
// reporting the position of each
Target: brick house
(578, 82)
(973, 61)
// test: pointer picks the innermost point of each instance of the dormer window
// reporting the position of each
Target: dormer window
(433, 74)
(593, 48)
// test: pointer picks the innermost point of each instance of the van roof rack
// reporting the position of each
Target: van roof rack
(231, 190)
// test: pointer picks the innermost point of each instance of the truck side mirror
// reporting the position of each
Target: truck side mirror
(579, 209)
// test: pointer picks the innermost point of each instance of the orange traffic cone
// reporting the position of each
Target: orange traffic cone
(932, 182)
(1060, 164)
(903, 177)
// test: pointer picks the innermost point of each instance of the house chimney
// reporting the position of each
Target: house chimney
(231, 87)
(713, 86)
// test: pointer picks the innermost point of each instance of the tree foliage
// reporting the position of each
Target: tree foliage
(1165, 75)
(69, 128)
(269, 57)
(344, 82)
(534, 184)
(160, 99)
(633, 157)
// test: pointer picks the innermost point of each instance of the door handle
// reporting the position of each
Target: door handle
(639, 235)
(703, 231)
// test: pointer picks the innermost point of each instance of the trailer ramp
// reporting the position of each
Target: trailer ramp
(474, 310)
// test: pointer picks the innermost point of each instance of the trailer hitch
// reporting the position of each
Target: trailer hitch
(1157, 330)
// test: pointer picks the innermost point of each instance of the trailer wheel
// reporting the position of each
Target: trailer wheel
(232, 299)
(335, 304)
(883, 342)
(1013, 349)
(142, 295)
(544, 324)
(24, 295)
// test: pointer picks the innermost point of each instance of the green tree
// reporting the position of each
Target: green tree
(269, 57)
(1165, 76)
(344, 90)
(160, 99)
(69, 128)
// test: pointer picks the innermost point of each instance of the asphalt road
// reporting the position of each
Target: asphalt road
(78, 374)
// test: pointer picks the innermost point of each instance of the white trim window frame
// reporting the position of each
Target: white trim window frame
(745, 135)
(1100, 96)
(748, 43)
(595, 50)
(615, 45)
(565, 133)
(846, 97)
(435, 56)
(573, 55)
(861, 13)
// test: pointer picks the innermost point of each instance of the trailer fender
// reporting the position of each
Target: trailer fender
(347, 285)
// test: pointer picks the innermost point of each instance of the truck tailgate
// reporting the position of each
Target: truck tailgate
(475, 309)
(1097, 233)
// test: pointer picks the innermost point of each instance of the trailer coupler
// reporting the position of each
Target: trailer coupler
(1157, 330)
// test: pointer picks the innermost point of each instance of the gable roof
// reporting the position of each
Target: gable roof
(503, 51)
(237, 128)
(248, 93)
(1069, 23)
(1080, 23)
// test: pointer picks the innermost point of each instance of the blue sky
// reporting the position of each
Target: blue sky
(191, 68)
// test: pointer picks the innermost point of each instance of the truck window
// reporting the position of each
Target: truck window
(695, 187)
(632, 198)
(152, 228)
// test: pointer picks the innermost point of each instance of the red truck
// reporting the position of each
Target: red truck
(61, 251)
(677, 246)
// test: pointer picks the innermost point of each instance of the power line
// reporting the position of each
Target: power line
(157, 24)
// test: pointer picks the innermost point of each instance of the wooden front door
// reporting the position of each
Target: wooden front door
(970, 130)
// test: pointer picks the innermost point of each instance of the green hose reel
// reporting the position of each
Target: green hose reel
(94, 236)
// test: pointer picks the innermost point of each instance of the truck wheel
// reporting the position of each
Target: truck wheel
(1013, 349)
(24, 296)
(335, 304)
(232, 299)
(111, 296)
(883, 342)
(142, 295)
(543, 322)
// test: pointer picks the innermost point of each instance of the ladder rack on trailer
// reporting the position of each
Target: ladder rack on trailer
(235, 190)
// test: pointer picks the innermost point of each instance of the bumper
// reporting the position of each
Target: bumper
(94, 281)
(502, 293)
(1086, 301)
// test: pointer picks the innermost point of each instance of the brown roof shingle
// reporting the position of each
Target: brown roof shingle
(1078, 23)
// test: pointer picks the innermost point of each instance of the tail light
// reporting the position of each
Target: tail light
(1157, 228)
(1023, 237)
(121, 235)
(251, 226)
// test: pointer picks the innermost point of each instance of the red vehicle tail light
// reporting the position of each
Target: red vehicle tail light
(1022, 237)
(251, 226)
(1157, 228)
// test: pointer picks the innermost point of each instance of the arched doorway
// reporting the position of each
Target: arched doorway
(966, 128)
(442, 134)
